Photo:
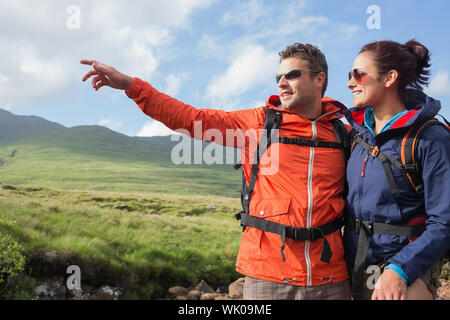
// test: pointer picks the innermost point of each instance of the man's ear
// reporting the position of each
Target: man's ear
(320, 80)
(390, 78)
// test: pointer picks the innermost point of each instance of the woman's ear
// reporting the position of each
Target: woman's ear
(390, 78)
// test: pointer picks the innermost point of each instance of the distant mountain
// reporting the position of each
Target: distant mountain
(14, 128)
(38, 152)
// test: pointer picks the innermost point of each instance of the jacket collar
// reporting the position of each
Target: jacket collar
(420, 108)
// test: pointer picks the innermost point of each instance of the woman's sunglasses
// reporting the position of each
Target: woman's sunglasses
(293, 74)
(356, 74)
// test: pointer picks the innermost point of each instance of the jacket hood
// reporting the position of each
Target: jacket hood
(421, 108)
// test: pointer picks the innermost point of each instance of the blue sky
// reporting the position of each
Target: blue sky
(208, 53)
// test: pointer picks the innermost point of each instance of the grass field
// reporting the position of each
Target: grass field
(141, 242)
(64, 169)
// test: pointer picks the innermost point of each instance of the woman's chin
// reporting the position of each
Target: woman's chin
(358, 103)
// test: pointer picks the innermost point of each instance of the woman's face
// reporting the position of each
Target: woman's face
(369, 90)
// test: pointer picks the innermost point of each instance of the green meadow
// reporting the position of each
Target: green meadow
(116, 206)
(141, 242)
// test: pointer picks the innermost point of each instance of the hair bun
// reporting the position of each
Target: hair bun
(422, 54)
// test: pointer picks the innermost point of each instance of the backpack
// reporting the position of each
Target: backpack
(273, 121)
(412, 172)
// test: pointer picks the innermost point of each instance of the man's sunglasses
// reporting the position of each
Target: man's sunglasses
(356, 74)
(293, 74)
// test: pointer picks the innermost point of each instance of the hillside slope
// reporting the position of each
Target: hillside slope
(37, 152)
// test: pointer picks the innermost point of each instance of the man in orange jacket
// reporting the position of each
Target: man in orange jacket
(291, 247)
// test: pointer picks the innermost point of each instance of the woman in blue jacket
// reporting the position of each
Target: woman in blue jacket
(386, 82)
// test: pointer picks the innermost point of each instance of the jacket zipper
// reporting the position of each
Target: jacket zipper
(310, 198)
(310, 204)
(363, 171)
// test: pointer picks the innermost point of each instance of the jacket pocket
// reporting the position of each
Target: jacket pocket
(268, 245)
(265, 208)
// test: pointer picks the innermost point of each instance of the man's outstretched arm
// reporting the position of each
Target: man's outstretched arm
(173, 113)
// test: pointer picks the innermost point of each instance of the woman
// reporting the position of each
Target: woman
(386, 82)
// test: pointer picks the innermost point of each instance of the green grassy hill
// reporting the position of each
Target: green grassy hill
(36, 152)
(14, 128)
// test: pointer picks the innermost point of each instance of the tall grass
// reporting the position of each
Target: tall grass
(141, 242)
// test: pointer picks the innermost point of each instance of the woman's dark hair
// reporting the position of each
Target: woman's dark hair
(411, 60)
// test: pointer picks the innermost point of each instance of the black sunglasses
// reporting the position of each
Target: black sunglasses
(291, 74)
(356, 74)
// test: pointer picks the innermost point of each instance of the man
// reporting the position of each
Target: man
(291, 247)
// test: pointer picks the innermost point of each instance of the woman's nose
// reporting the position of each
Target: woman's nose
(351, 84)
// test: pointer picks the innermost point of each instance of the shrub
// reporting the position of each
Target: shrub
(12, 261)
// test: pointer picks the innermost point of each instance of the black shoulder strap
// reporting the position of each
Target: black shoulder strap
(272, 121)
(445, 120)
(342, 136)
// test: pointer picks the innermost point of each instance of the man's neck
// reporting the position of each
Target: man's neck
(310, 111)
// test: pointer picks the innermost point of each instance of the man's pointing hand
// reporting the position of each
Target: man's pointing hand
(104, 75)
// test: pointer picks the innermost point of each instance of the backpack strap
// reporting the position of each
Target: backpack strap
(272, 121)
(385, 159)
(408, 153)
(365, 229)
(445, 120)
(343, 137)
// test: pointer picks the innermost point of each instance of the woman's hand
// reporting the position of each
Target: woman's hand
(105, 75)
(389, 287)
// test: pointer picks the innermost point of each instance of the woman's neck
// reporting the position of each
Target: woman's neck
(384, 111)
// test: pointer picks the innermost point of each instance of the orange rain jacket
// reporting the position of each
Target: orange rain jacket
(306, 191)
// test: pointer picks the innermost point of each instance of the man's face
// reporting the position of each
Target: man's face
(299, 92)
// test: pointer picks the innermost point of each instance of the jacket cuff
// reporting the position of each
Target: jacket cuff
(135, 89)
(399, 271)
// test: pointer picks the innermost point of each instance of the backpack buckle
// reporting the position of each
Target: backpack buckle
(375, 151)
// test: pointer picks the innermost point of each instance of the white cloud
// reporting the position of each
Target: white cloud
(277, 24)
(348, 31)
(440, 84)
(252, 67)
(174, 83)
(109, 123)
(245, 13)
(257, 104)
(40, 54)
(155, 128)
(211, 47)
(266, 27)
(3, 78)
